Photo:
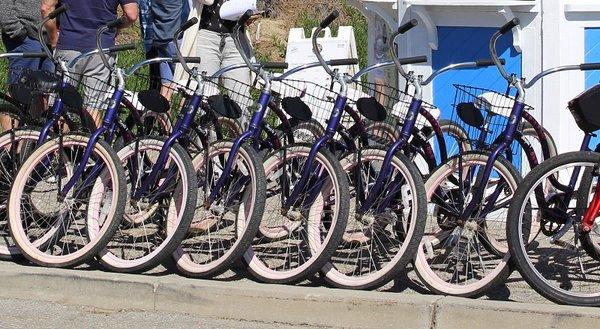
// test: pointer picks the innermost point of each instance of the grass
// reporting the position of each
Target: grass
(291, 13)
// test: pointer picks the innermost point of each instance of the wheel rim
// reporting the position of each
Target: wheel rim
(479, 252)
(66, 234)
(215, 235)
(559, 265)
(290, 256)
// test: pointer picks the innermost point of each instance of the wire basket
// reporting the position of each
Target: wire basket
(495, 109)
(244, 94)
(25, 94)
(320, 99)
(395, 102)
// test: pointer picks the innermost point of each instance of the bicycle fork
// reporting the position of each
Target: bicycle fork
(405, 134)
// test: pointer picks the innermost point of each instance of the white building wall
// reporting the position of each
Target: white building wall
(553, 34)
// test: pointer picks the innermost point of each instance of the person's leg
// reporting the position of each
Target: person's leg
(237, 81)
(97, 85)
(207, 48)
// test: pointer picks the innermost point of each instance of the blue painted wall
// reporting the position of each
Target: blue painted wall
(464, 44)
(592, 54)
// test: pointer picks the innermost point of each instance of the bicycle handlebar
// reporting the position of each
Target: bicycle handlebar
(117, 23)
(501, 31)
(182, 60)
(116, 49)
(412, 60)
(406, 27)
(329, 19)
(274, 65)
(509, 26)
(589, 66)
(392, 46)
(41, 28)
(235, 35)
(56, 12)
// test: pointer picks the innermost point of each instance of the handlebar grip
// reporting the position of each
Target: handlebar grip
(193, 21)
(488, 62)
(35, 55)
(58, 11)
(191, 60)
(413, 60)
(119, 48)
(407, 26)
(589, 66)
(274, 65)
(343, 62)
(117, 22)
(510, 25)
(332, 17)
(245, 17)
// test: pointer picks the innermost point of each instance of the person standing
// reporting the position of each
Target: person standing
(18, 23)
(163, 18)
(217, 50)
(78, 27)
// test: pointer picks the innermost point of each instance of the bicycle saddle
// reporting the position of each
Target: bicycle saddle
(371, 109)
(225, 106)
(470, 114)
(296, 108)
(71, 97)
(153, 101)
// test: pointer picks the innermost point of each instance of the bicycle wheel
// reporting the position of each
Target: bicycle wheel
(382, 133)
(555, 262)
(293, 245)
(380, 243)
(15, 148)
(307, 131)
(531, 136)
(66, 231)
(221, 232)
(466, 256)
(154, 224)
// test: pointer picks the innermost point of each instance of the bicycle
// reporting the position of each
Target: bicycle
(73, 175)
(464, 250)
(389, 193)
(306, 190)
(552, 230)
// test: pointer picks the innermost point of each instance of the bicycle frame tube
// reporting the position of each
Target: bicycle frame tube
(435, 125)
(252, 132)
(57, 109)
(181, 128)
(107, 124)
(509, 135)
(330, 131)
(407, 127)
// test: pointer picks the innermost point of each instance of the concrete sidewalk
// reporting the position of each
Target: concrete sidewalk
(294, 305)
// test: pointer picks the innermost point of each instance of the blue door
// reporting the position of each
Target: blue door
(466, 44)
(592, 55)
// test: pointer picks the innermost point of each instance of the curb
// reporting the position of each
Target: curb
(294, 305)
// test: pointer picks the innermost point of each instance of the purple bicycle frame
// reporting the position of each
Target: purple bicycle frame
(509, 135)
(253, 132)
(107, 126)
(407, 128)
(334, 121)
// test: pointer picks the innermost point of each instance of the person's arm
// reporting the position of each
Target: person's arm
(131, 12)
(206, 2)
(51, 27)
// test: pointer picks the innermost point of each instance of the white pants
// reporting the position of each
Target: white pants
(218, 51)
